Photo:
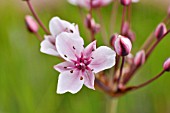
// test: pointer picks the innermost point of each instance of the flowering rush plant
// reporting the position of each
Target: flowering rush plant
(109, 67)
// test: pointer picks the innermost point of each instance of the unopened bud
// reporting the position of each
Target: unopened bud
(131, 35)
(113, 38)
(88, 21)
(166, 65)
(160, 30)
(139, 58)
(94, 26)
(122, 45)
(125, 28)
(31, 24)
(169, 11)
(129, 58)
(125, 2)
(91, 24)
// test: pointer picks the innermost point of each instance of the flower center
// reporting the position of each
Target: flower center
(81, 66)
(82, 63)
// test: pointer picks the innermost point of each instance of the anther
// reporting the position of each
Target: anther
(74, 47)
(65, 56)
(71, 31)
(71, 71)
(81, 78)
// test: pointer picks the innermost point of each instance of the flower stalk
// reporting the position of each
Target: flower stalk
(120, 73)
(148, 82)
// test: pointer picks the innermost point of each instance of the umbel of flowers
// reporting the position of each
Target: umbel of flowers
(87, 65)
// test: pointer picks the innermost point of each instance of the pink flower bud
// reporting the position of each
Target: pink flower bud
(169, 11)
(31, 24)
(112, 40)
(129, 58)
(160, 30)
(125, 28)
(166, 65)
(139, 58)
(88, 21)
(91, 24)
(122, 45)
(125, 2)
(131, 35)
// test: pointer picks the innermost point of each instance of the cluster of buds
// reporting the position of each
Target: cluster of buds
(87, 65)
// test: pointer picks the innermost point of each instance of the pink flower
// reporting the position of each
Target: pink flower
(86, 3)
(81, 63)
(56, 26)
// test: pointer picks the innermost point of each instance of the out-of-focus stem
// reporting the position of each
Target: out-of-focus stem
(148, 42)
(113, 104)
(129, 14)
(113, 16)
(149, 81)
(123, 19)
(36, 17)
(91, 30)
(38, 36)
(120, 74)
(82, 16)
(130, 75)
(103, 29)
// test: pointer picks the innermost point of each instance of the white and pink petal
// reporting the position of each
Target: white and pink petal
(48, 46)
(64, 66)
(69, 45)
(58, 26)
(89, 79)
(69, 82)
(102, 58)
(89, 49)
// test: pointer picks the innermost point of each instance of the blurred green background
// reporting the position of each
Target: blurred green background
(27, 78)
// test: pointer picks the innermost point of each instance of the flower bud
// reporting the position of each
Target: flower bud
(122, 45)
(31, 24)
(169, 11)
(131, 35)
(113, 38)
(125, 2)
(160, 30)
(88, 21)
(91, 24)
(139, 58)
(129, 58)
(125, 28)
(166, 65)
